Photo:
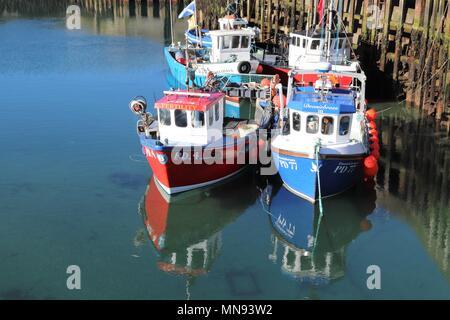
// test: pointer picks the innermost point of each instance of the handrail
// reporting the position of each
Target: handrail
(185, 93)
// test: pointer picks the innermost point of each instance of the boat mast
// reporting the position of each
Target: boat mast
(198, 33)
(328, 32)
(314, 11)
(187, 64)
(171, 23)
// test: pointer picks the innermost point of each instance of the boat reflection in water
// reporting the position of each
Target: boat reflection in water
(305, 251)
(185, 229)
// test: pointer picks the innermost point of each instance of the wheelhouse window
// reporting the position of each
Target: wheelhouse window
(245, 42)
(312, 124)
(197, 119)
(315, 44)
(211, 117)
(180, 118)
(327, 125)
(235, 42)
(164, 117)
(217, 111)
(344, 125)
(304, 43)
(296, 121)
(226, 42)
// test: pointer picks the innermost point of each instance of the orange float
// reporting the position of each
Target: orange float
(370, 166)
(371, 114)
(376, 154)
(365, 225)
(276, 100)
(265, 82)
(374, 139)
(373, 132)
(259, 69)
(375, 146)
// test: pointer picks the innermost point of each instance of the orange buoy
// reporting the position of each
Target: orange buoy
(265, 82)
(182, 61)
(276, 100)
(374, 139)
(365, 225)
(375, 146)
(373, 132)
(370, 166)
(261, 144)
(259, 69)
(371, 114)
(372, 125)
(376, 154)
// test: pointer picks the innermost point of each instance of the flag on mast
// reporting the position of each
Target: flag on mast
(320, 9)
(188, 11)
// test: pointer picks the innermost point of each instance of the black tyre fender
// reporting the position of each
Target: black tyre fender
(244, 67)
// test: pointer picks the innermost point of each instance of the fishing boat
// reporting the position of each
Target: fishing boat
(199, 37)
(192, 144)
(315, 45)
(324, 145)
(324, 140)
(226, 51)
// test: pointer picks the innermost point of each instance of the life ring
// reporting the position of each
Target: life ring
(244, 67)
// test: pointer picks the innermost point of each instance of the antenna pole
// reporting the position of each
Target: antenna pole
(171, 23)
(328, 34)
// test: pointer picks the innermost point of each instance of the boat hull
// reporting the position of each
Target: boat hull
(188, 171)
(204, 40)
(178, 70)
(299, 173)
(283, 72)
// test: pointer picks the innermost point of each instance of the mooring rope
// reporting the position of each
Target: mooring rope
(319, 189)
(429, 55)
(431, 78)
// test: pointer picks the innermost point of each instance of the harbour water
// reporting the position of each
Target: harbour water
(75, 190)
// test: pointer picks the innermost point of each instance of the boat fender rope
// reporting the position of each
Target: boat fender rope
(317, 151)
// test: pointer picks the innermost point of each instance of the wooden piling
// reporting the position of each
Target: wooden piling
(413, 50)
(398, 40)
(385, 41)
(364, 29)
(293, 15)
(351, 15)
(423, 54)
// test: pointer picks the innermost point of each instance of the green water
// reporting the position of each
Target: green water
(75, 190)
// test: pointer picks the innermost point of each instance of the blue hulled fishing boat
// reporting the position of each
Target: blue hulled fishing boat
(223, 52)
(324, 139)
(321, 148)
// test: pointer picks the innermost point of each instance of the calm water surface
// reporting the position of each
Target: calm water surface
(74, 189)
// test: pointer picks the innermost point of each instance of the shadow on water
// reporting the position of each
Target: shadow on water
(16, 294)
(186, 229)
(127, 180)
(305, 251)
(414, 177)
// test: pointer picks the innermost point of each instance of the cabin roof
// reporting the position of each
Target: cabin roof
(192, 100)
(321, 34)
(334, 103)
(234, 32)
